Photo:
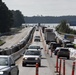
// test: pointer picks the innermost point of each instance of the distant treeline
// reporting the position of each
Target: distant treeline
(50, 19)
(9, 18)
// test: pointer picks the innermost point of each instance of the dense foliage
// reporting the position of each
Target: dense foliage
(6, 20)
(18, 18)
(64, 28)
(9, 18)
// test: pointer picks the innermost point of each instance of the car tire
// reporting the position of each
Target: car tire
(9, 73)
(68, 57)
(39, 64)
(18, 72)
(23, 64)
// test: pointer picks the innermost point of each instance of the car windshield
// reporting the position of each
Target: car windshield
(70, 46)
(64, 50)
(32, 53)
(37, 36)
(37, 39)
(3, 61)
(34, 47)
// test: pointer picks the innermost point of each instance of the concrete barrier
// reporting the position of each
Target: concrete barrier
(19, 53)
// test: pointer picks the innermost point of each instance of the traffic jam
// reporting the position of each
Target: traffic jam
(46, 53)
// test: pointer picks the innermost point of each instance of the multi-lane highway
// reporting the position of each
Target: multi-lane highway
(47, 63)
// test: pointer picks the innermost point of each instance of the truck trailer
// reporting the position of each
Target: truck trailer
(49, 35)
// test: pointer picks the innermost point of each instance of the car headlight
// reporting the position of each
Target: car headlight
(1, 73)
(36, 58)
(24, 58)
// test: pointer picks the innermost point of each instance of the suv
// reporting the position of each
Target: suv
(69, 45)
(7, 66)
(54, 45)
(32, 57)
(56, 50)
(63, 52)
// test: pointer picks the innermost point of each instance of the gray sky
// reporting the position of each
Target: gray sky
(43, 7)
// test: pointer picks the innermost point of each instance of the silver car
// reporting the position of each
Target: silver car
(7, 66)
(32, 57)
(34, 46)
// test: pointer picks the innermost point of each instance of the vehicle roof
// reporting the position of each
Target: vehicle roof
(66, 40)
(4, 56)
(52, 43)
(59, 47)
(69, 44)
(33, 50)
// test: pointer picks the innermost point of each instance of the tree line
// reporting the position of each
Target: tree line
(9, 18)
(63, 27)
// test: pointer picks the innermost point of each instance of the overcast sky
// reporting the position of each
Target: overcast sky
(43, 7)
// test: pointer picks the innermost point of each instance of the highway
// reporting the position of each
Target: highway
(45, 68)
(48, 63)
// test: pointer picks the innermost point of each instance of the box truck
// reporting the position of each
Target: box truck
(49, 35)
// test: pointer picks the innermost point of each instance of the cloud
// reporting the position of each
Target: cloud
(43, 7)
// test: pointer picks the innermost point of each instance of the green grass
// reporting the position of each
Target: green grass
(75, 46)
(1, 42)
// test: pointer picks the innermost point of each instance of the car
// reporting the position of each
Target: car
(63, 52)
(69, 45)
(54, 45)
(66, 42)
(8, 66)
(34, 46)
(56, 50)
(31, 57)
(37, 37)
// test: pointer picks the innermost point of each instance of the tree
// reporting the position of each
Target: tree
(18, 18)
(64, 27)
(6, 19)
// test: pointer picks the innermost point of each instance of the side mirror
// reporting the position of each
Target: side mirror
(26, 48)
(12, 64)
(41, 48)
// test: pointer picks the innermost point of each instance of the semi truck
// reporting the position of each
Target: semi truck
(49, 35)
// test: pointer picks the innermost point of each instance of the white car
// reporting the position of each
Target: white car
(31, 57)
(8, 66)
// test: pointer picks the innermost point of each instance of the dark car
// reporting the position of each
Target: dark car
(8, 66)
(69, 45)
(56, 50)
(54, 45)
(63, 52)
